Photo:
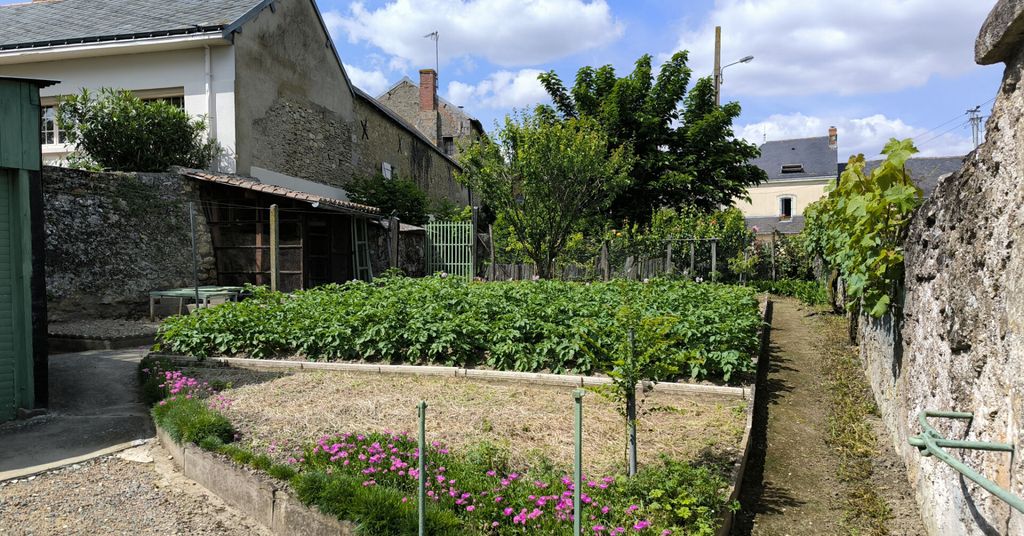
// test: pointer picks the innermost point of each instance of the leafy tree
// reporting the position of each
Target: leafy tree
(684, 156)
(546, 179)
(861, 226)
(120, 132)
(402, 197)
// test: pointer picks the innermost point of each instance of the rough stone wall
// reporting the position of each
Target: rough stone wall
(295, 110)
(379, 139)
(960, 345)
(113, 237)
(455, 122)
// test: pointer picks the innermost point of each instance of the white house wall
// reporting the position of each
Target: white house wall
(145, 71)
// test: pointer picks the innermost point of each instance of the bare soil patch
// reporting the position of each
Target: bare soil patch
(530, 422)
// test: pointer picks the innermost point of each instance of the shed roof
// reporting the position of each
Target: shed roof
(58, 22)
(252, 183)
(816, 158)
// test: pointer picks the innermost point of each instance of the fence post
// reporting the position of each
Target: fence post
(630, 267)
(490, 240)
(475, 252)
(394, 225)
(773, 256)
(422, 511)
(275, 266)
(714, 258)
(693, 246)
(606, 263)
(577, 473)
(668, 259)
(195, 255)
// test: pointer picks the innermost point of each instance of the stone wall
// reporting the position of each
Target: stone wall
(113, 237)
(403, 99)
(381, 138)
(959, 344)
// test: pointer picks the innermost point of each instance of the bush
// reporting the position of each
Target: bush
(522, 326)
(809, 292)
(401, 196)
(190, 420)
(120, 132)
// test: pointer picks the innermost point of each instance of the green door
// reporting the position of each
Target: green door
(8, 259)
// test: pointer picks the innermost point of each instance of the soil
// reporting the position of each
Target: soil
(791, 486)
(529, 422)
(137, 491)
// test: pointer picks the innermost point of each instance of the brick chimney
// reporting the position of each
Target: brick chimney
(428, 90)
(428, 119)
(833, 138)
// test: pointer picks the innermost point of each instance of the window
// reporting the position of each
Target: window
(786, 208)
(49, 132)
(792, 168)
(176, 101)
(448, 144)
(388, 170)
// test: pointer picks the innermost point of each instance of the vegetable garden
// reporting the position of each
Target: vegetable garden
(709, 330)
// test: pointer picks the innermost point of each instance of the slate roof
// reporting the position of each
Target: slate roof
(814, 154)
(254, 184)
(926, 171)
(770, 224)
(59, 22)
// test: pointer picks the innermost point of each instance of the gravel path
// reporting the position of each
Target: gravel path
(135, 492)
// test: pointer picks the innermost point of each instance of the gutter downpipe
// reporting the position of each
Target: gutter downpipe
(211, 103)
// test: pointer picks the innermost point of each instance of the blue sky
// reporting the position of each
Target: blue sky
(873, 68)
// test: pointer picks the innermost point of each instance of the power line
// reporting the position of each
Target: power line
(944, 132)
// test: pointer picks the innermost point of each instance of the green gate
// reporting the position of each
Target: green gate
(451, 248)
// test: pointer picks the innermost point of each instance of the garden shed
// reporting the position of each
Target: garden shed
(323, 237)
(23, 362)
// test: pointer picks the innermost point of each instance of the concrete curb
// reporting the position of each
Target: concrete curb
(746, 444)
(278, 365)
(259, 497)
(42, 468)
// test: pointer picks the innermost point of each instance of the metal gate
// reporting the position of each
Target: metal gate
(450, 248)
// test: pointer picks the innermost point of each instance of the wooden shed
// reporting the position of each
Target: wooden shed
(23, 361)
(323, 238)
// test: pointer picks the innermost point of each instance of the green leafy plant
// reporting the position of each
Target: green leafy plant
(403, 197)
(190, 420)
(862, 224)
(118, 131)
(808, 292)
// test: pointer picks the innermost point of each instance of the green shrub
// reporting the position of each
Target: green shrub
(282, 472)
(121, 132)
(401, 196)
(189, 420)
(262, 462)
(522, 326)
(808, 292)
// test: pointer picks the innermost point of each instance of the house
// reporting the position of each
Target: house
(264, 74)
(449, 126)
(798, 171)
(23, 361)
(925, 171)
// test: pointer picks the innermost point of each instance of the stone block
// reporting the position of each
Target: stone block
(234, 485)
(1002, 34)
(293, 517)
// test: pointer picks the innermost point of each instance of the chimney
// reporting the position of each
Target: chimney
(833, 137)
(428, 90)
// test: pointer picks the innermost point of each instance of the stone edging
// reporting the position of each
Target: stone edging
(267, 365)
(256, 496)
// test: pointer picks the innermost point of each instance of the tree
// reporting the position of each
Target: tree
(402, 197)
(546, 179)
(121, 132)
(683, 157)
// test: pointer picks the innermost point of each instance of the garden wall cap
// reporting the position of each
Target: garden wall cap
(1002, 33)
(252, 183)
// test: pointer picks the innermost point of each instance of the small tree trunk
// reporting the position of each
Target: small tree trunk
(631, 429)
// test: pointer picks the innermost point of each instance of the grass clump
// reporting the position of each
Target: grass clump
(189, 420)
(808, 292)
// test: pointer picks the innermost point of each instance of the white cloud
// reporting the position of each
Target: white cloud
(503, 89)
(508, 33)
(373, 82)
(840, 47)
(865, 135)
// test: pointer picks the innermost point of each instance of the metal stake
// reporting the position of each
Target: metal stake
(577, 503)
(423, 468)
(195, 253)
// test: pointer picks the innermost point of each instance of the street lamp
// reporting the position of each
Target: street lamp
(718, 76)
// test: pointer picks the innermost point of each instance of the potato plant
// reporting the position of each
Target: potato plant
(521, 326)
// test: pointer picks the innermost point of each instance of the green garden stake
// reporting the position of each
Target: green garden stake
(577, 505)
(423, 468)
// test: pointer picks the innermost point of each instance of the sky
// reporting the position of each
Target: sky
(875, 69)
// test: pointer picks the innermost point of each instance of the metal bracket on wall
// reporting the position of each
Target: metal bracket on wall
(930, 443)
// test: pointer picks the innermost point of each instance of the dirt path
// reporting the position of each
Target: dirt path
(791, 486)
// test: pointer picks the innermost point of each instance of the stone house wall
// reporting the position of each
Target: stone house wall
(404, 99)
(959, 343)
(113, 237)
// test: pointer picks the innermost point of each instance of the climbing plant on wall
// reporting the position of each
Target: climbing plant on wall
(862, 224)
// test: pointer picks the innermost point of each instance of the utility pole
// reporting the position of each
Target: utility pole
(718, 65)
(975, 120)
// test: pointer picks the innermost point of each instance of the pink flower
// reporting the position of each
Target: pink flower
(470, 508)
(641, 525)
(598, 528)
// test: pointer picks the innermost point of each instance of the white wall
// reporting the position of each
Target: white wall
(151, 70)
